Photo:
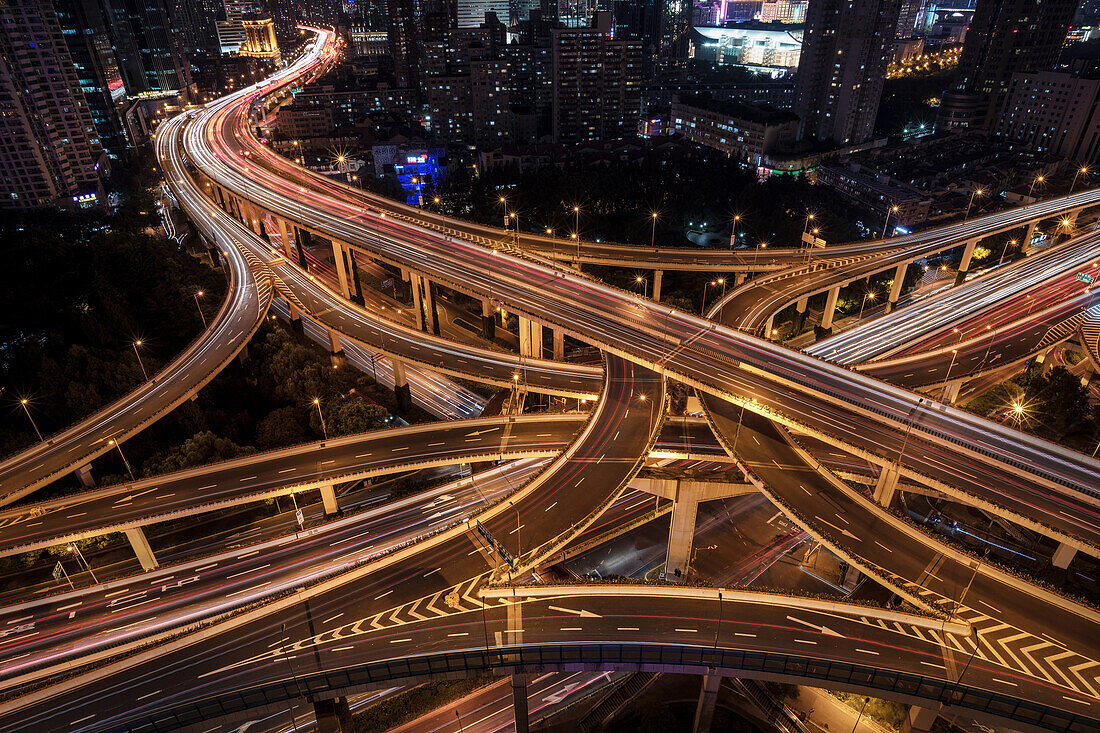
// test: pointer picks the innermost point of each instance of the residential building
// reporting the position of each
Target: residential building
(879, 194)
(1005, 37)
(1053, 112)
(597, 83)
(845, 51)
(743, 131)
(50, 152)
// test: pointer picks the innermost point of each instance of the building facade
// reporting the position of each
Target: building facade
(845, 51)
(1053, 112)
(742, 131)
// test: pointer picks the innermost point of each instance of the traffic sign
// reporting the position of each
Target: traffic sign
(1085, 277)
(300, 517)
(58, 572)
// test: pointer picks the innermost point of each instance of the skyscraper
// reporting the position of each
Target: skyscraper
(147, 47)
(50, 151)
(1005, 37)
(845, 51)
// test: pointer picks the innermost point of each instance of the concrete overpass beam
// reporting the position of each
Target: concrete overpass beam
(328, 498)
(142, 549)
(681, 532)
(895, 287)
(84, 475)
(830, 308)
(341, 268)
(886, 486)
(519, 702)
(559, 345)
(708, 698)
(951, 392)
(401, 386)
(1063, 556)
(964, 265)
(658, 275)
(488, 320)
(333, 716)
(919, 720)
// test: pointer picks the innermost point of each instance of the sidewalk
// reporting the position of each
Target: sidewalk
(830, 714)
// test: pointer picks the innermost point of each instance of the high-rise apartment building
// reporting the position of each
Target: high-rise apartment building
(50, 152)
(83, 26)
(845, 50)
(147, 47)
(1005, 37)
(597, 83)
(1053, 112)
(471, 13)
(195, 22)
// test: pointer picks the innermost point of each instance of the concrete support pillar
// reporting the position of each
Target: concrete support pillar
(895, 287)
(740, 278)
(951, 392)
(84, 475)
(1063, 556)
(333, 716)
(519, 701)
(418, 305)
(830, 308)
(431, 300)
(328, 498)
(1028, 236)
(964, 265)
(919, 720)
(335, 347)
(301, 240)
(559, 345)
(243, 355)
(530, 338)
(341, 268)
(401, 386)
(681, 532)
(658, 275)
(142, 549)
(800, 314)
(886, 485)
(284, 236)
(708, 697)
(488, 320)
(356, 284)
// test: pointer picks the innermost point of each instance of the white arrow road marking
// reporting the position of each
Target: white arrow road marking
(582, 613)
(823, 629)
(482, 432)
(843, 531)
(561, 694)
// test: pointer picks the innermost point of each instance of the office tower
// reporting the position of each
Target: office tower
(146, 46)
(1005, 37)
(404, 43)
(84, 29)
(471, 13)
(230, 29)
(673, 32)
(597, 83)
(845, 51)
(908, 16)
(51, 153)
(195, 22)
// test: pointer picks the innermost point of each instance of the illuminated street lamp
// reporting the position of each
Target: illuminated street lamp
(711, 284)
(73, 549)
(123, 455)
(1083, 169)
(324, 428)
(136, 344)
(653, 228)
(1038, 179)
(891, 210)
(644, 282)
(977, 192)
(198, 304)
(869, 295)
(947, 379)
(1009, 243)
(23, 402)
(733, 232)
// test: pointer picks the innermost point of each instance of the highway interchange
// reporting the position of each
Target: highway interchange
(756, 393)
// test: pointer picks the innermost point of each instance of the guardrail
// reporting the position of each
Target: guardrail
(912, 688)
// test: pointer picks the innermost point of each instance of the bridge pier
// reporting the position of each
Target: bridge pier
(964, 264)
(488, 320)
(333, 716)
(142, 549)
(800, 314)
(328, 498)
(530, 338)
(341, 268)
(519, 702)
(84, 475)
(740, 278)
(401, 386)
(658, 275)
(1025, 249)
(886, 486)
(708, 698)
(353, 275)
(335, 347)
(284, 236)
(895, 287)
(919, 720)
(1064, 555)
(302, 238)
(559, 345)
(830, 308)
(681, 534)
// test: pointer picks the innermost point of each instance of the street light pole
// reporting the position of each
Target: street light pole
(1083, 169)
(124, 461)
(891, 210)
(860, 716)
(947, 379)
(23, 402)
(136, 344)
(324, 428)
(977, 192)
(198, 304)
(76, 550)
(653, 230)
(733, 232)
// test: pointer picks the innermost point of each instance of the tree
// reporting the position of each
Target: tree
(282, 426)
(356, 415)
(198, 450)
